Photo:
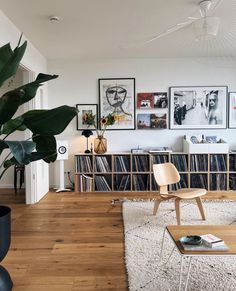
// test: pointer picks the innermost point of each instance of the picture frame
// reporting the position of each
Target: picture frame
(232, 109)
(117, 97)
(154, 100)
(83, 109)
(198, 107)
(157, 120)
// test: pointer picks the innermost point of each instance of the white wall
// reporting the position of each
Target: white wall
(78, 83)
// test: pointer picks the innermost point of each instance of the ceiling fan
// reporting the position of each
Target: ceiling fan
(205, 26)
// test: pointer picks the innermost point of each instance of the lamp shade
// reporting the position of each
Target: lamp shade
(87, 132)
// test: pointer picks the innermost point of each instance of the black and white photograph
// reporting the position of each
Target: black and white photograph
(232, 110)
(117, 97)
(84, 111)
(198, 107)
(160, 100)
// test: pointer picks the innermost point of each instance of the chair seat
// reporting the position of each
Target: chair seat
(188, 193)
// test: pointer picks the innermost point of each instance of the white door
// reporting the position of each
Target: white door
(37, 173)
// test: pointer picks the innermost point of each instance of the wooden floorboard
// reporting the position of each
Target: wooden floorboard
(69, 242)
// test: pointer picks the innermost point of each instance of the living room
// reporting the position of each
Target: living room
(79, 236)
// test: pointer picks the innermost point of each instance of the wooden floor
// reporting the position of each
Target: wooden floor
(68, 242)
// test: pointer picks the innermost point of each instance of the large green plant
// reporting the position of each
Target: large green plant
(44, 124)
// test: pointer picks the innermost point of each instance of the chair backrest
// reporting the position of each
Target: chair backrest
(166, 174)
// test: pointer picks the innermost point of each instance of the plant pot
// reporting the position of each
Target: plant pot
(100, 145)
(5, 241)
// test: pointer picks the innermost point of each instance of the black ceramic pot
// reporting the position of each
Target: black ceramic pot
(5, 241)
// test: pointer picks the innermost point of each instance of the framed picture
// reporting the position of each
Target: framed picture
(198, 107)
(232, 110)
(85, 109)
(152, 100)
(117, 97)
(152, 121)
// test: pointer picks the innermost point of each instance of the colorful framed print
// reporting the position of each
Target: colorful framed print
(232, 110)
(143, 121)
(145, 101)
(117, 97)
(198, 107)
(85, 109)
(158, 121)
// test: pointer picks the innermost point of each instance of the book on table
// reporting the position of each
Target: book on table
(209, 242)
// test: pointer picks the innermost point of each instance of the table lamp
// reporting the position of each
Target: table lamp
(87, 133)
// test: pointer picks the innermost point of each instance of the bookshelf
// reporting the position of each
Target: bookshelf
(118, 172)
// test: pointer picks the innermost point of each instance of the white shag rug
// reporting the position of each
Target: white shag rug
(143, 237)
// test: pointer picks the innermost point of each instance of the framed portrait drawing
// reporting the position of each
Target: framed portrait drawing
(198, 107)
(117, 97)
(85, 109)
(232, 110)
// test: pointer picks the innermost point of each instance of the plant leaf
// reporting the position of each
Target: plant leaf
(9, 104)
(49, 122)
(21, 150)
(3, 146)
(30, 89)
(10, 60)
(46, 144)
(13, 125)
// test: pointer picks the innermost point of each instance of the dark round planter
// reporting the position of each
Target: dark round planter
(5, 241)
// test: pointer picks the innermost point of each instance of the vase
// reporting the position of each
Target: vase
(5, 241)
(100, 145)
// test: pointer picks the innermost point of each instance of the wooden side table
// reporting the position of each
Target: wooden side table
(226, 232)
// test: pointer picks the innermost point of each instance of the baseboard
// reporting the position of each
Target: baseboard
(7, 186)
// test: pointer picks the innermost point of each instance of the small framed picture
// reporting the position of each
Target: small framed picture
(84, 110)
(232, 110)
(158, 121)
(143, 121)
(145, 101)
(198, 107)
(117, 97)
(160, 100)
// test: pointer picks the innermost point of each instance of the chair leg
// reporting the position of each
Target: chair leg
(156, 206)
(177, 210)
(200, 206)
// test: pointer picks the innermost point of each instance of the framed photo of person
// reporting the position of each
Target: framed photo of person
(203, 107)
(117, 97)
(84, 110)
(232, 110)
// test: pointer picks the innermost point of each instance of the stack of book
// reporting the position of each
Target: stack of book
(209, 242)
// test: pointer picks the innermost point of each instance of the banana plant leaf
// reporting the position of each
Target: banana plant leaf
(9, 104)
(13, 125)
(30, 89)
(21, 150)
(46, 144)
(49, 122)
(10, 60)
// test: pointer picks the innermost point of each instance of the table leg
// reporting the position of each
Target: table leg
(189, 267)
(162, 244)
(181, 271)
(170, 256)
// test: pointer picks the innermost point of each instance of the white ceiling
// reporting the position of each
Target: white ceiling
(103, 28)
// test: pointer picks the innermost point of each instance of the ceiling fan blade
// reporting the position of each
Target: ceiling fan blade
(167, 32)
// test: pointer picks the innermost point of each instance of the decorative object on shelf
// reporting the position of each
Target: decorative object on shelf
(152, 100)
(85, 112)
(87, 133)
(116, 97)
(198, 107)
(100, 145)
(5, 234)
(232, 110)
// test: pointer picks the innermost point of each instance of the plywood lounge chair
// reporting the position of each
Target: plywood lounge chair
(167, 174)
